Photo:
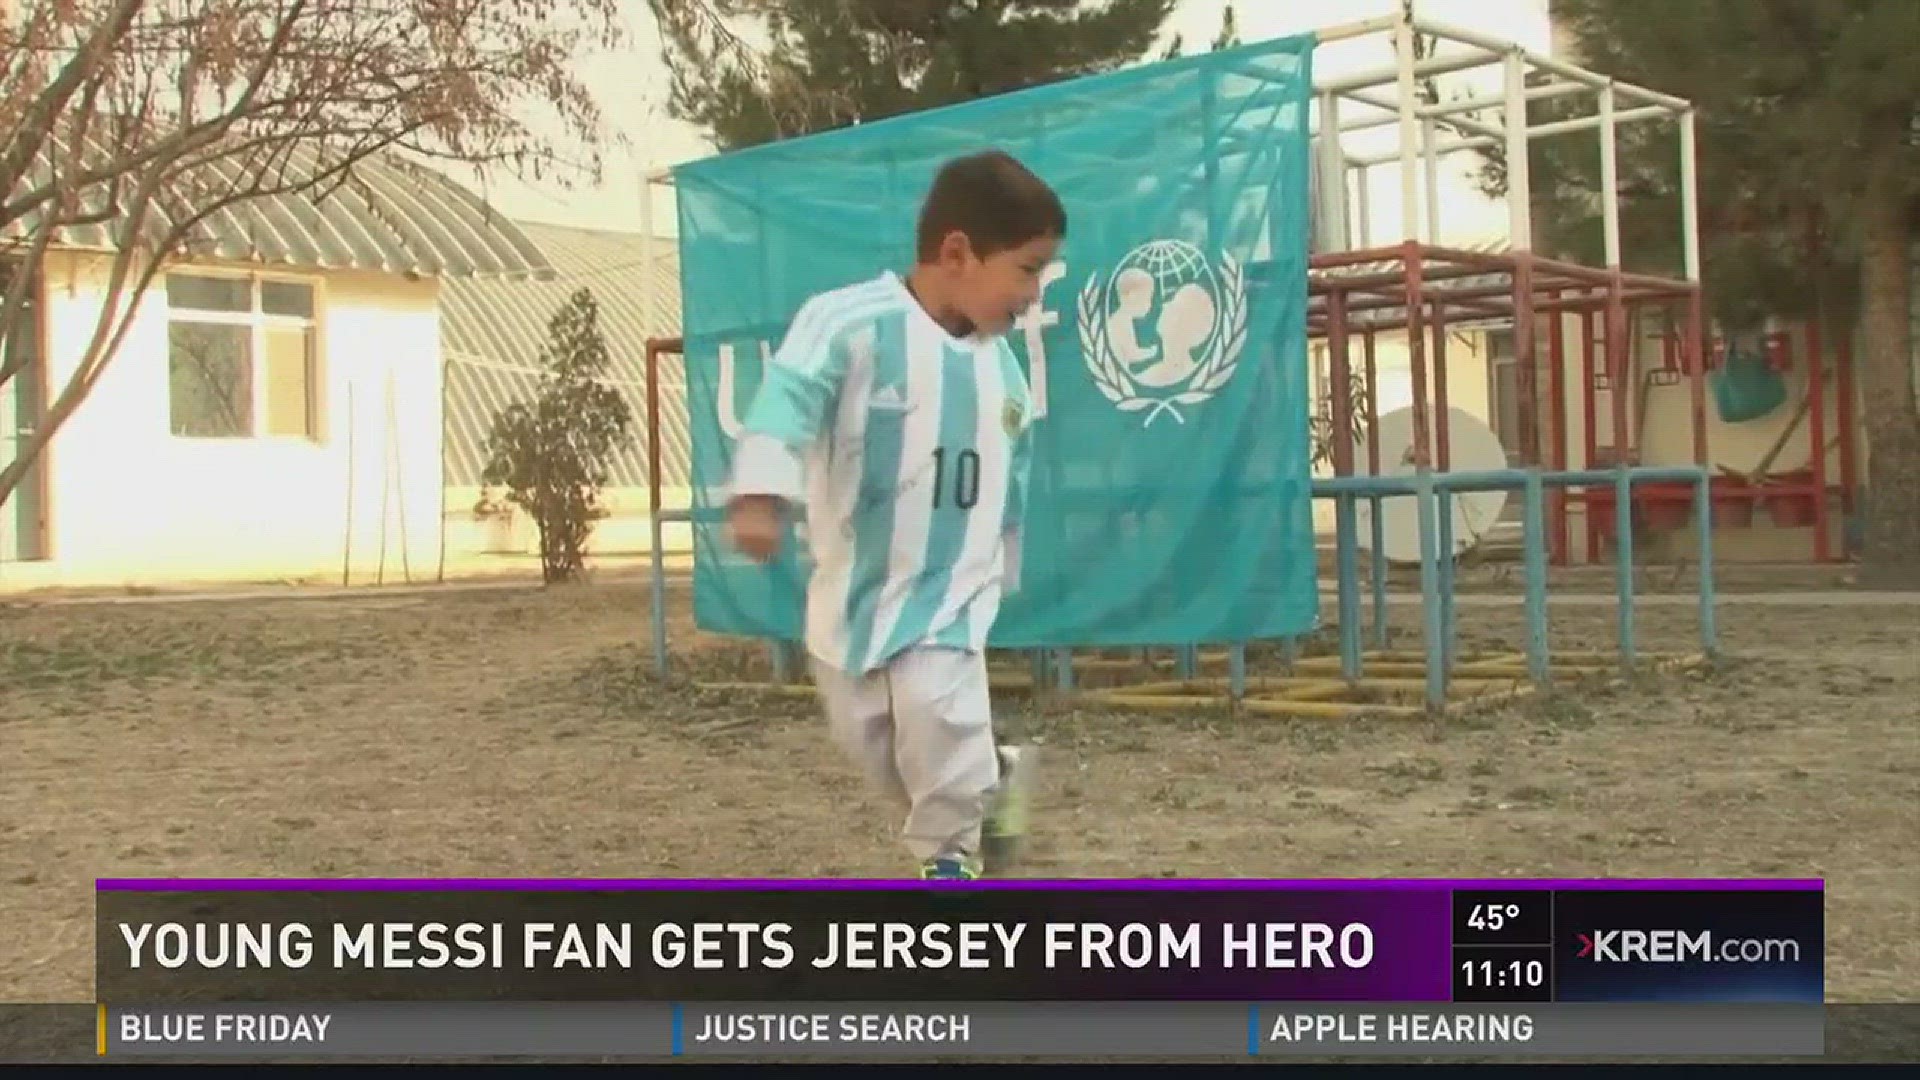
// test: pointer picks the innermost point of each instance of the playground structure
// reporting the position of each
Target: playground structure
(1415, 287)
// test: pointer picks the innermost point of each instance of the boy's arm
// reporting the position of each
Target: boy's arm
(798, 392)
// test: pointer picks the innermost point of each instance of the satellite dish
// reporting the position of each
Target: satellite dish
(1471, 447)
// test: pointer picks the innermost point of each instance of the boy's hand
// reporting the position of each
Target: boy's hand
(755, 524)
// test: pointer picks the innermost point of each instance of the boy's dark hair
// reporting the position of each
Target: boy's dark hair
(992, 199)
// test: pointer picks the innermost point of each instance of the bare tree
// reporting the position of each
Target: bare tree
(154, 119)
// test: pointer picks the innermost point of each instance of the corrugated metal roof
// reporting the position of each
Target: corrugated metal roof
(492, 332)
(397, 217)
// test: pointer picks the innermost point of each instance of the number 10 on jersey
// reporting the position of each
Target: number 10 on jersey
(959, 471)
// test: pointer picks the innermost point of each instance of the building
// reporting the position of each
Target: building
(493, 331)
(273, 410)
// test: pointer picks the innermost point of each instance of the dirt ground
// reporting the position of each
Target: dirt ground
(519, 733)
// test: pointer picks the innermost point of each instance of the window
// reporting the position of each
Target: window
(241, 357)
(1503, 390)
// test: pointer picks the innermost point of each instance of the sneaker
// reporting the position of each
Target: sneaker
(948, 869)
(1006, 824)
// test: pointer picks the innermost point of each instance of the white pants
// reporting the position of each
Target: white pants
(921, 729)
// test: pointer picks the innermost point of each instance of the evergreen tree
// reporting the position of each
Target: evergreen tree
(1227, 37)
(1808, 137)
(822, 64)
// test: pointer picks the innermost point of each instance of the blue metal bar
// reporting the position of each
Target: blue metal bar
(1703, 511)
(1429, 587)
(1064, 668)
(1347, 562)
(1289, 652)
(782, 661)
(1379, 574)
(1535, 548)
(1446, 569)
(1237, 671)
(1498, 480)
(1623, 563)
(1189, 664)
(658, 599)
(1038, 661)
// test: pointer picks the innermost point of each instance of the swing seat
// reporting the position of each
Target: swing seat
(1746, 387)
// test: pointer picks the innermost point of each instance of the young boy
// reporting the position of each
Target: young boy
(896, 413)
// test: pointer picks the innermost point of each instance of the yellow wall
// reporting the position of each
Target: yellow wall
(1467, 386)
(131, 503)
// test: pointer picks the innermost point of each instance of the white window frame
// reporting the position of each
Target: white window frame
(258, 322)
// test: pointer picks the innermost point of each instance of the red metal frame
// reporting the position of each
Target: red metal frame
(656, 346)
(1410, 286)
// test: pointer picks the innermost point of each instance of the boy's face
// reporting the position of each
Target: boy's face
(994, 291)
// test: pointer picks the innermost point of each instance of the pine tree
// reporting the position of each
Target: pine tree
(829, 63)
(1808, 135)
(1227, 37)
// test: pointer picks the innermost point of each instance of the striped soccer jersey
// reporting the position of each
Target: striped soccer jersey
(909, 448)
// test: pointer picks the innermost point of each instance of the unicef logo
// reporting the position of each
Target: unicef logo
(1198, 321)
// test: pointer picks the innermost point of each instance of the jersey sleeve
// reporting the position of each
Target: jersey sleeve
(1019, 478)
(797, 395)
(1019, 473)
(1020, 457)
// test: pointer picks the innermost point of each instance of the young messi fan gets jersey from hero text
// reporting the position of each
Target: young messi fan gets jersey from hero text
(896, 413)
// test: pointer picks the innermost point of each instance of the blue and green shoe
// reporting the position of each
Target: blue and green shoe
(949, 869)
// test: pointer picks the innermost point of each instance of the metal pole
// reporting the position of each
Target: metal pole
(1445, 568)
(1558, 540)
(1538, 131)
(1536, 574)
(658, 590)
(1689, 198)
(1703, 511)
(1817, 435)
(1439, 65)
(1519, 175)
(1347, 574)
(1520, 233)
(1429, 135)
(1357, 28)
(1436, 696)
(1409, 132)
(1609, 179)
(1363, 211)
(1696, 307)
(1346, 527)
(1379, 558)
(1623, 559)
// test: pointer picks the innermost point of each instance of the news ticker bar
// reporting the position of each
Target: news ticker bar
(953, 1029)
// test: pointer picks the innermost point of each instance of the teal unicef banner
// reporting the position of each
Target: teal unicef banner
(1171, 493)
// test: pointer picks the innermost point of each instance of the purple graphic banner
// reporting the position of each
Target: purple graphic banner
(1167, 940)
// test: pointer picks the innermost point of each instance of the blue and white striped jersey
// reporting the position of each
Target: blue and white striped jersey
(909, 449)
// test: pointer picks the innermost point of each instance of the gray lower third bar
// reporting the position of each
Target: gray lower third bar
(1562, 1029)
(1109, 1030)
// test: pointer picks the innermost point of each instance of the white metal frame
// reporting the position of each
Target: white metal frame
(1527, 76)
(1385, 96)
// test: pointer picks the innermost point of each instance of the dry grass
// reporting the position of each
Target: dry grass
(521, 734)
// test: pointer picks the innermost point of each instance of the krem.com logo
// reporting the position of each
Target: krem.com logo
(1683, 947)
